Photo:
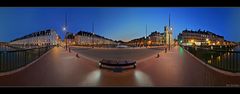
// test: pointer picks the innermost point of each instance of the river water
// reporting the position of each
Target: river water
(224, 60)
(5, 48)
(237, 48)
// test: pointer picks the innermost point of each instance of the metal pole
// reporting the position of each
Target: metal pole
(169, 32)
(1, 61)
(169, 40)
(92, 35)
(146, 36)
(66, 38)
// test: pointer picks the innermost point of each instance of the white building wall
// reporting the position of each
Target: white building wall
(39, 40)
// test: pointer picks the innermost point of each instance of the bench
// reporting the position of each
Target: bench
(117, 63)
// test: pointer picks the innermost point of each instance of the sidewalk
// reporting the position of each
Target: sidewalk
(58, 67)
(174, 68)
(178, 68)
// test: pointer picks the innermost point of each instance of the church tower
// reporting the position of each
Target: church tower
(168, 30)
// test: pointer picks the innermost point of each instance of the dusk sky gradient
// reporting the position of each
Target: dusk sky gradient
(119, 23)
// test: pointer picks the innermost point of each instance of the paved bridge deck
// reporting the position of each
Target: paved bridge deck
(175, 68)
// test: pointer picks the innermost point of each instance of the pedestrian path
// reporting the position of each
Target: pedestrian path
(61, 68)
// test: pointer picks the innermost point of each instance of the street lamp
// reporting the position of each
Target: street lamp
(65, 30)
(207, 39)
(218, 43)
(192, 41)
(92, 40)
(149, 42)
(92, 35)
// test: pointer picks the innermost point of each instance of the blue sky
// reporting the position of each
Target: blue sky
(119, 23)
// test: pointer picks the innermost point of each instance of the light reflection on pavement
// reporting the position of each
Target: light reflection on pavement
(175, 68)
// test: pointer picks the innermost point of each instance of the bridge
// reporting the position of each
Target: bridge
(177, 67)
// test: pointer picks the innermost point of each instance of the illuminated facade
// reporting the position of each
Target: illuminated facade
(168, 31)
(154, 39)
(41, 38)
(87, 38)
(189, 37)
(157, 38)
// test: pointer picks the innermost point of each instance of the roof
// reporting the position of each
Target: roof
(34, 34)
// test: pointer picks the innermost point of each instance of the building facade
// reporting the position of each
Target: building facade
(41, 38)
(189, 37)
(155, 39)
(86, 39)
(168, 32)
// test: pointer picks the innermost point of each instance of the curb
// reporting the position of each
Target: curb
(142, 60)
(211, 67)
(24, 67)
(74, 52)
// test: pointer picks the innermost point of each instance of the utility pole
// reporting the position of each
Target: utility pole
(92, 35)
(146, 36)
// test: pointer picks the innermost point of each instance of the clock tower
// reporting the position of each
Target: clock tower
(168, 30)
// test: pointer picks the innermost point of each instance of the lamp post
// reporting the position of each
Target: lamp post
(65, 30)
(92, 35)
(169, 40)
(146, 36)
(92, 40)
(170, 29)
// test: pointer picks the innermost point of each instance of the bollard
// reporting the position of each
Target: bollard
(77, 55)
(158, 55)
(69, 50)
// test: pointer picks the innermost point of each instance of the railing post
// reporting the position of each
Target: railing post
(46, 49)
(226, 60)
(7, 62)
(238, 62)
(4, 61)
(1, 61)
(10, 60)
(14, 60)
(38, 52)
(231, 63)
(25, 57)
(222, 56)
